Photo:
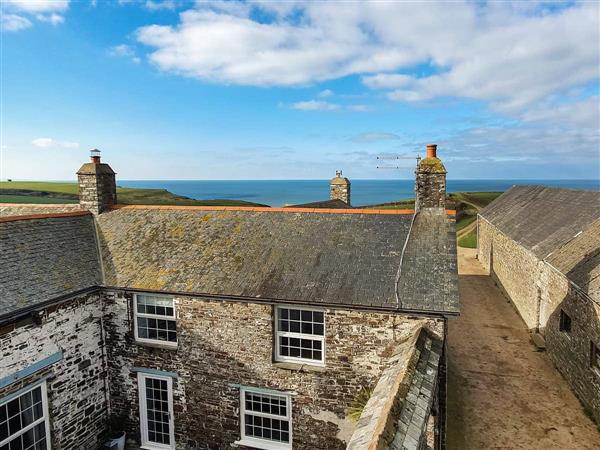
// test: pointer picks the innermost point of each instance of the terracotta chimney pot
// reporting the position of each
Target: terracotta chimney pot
(432, 150)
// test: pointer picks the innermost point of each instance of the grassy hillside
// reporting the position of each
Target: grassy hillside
(51, 192)
(466, 204)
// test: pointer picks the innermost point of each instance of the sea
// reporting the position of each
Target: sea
(363, 192)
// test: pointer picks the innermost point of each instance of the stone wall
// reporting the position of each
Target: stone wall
(570, 351)
(225, 343)
(430, 184)
(340, 189)
(76, 387)
(97, 192)
(539, 292)
(514, 269)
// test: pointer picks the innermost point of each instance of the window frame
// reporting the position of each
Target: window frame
(45, 418)
(595, 357)
(143, 409)
(563, 320)
(136, 314)
(293, 359)
(255, 442)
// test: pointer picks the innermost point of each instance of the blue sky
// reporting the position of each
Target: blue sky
(295, 90)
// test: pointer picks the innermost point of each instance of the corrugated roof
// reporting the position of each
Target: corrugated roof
(46, 257)
(543, 219)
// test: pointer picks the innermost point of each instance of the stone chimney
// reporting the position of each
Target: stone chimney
(339, 188)
(97, 186)
(430, 185)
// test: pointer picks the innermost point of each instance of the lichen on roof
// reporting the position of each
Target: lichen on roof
(432, 165)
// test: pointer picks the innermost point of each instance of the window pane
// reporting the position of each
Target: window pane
(261, 427)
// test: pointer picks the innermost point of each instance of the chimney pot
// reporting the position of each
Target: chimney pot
(95, 155)
(432, 150)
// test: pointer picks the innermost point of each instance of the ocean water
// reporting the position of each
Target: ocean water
(364, 192)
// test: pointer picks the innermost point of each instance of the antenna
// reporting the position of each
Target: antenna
(396, 158)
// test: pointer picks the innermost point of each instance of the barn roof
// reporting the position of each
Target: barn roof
(542, 219)
(328, 257)
(579, 260)
(43, 258)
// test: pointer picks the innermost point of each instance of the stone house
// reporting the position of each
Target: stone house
(221, 327)
(542, 247)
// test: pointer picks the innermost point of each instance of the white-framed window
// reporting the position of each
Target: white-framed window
(156, 411)
(300, 335)
(155, 319)
(266, 419)
(24, 420)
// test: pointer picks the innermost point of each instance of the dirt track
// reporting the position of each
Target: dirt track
(502, 393)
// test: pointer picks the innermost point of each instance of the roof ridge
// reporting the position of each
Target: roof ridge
(269, 209)
(44, 216)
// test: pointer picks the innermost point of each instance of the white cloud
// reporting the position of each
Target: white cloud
(504, 53)
(14, 22)
(153, 5)
(37, 6)
(54, 19)
(315, 105)
(53, 143)
(16, 14)
(124, 51)
(325, 93)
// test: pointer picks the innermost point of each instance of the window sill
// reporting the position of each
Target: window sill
(262, 445)
(301, 367)
(162, 345)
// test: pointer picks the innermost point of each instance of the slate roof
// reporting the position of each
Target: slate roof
(416, 407)
(429, 274)
(320, 258)
(325, 257)
(46, 258)
(579, 260)
(335, 203)
(542, 219)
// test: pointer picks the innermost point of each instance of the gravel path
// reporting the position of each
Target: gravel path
(502, 393)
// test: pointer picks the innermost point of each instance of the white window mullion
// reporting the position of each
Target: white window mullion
(156, 421)
(300, 335)
(24, 420)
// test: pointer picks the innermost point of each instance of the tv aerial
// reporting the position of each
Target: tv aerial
(396, 158)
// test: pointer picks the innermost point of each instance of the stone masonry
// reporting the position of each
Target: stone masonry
(514, 269)
(76, 387)
(430, 184)
(339, 188)
(97, 186)
(570, 350)
(225, 343)
(539, 293)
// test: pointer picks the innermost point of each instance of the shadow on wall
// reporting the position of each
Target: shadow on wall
(206, 401)
(572, 332)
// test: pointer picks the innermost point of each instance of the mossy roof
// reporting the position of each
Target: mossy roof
(45, 258)
(431, 165)
(542, 219)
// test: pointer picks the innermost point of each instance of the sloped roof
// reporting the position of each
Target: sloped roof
(541, 218)
(42, 258)
(579, 260)
(349, 258)
(335, 203)
(429, 275)
(346, 257)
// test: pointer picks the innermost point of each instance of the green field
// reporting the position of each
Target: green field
(51, 192)
(466, 204)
